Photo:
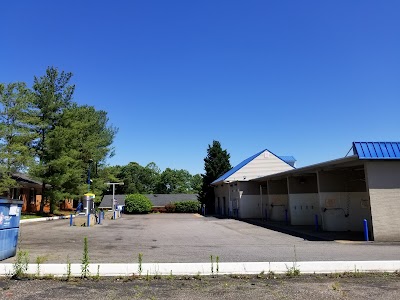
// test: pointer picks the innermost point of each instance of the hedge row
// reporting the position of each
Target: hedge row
(183, 207)
(140, 204)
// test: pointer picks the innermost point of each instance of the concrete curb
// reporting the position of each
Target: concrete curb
(119, 269)
(45, 219)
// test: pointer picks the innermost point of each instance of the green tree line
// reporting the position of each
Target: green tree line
(150, 179)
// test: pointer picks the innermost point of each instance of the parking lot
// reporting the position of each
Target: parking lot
(184, 238)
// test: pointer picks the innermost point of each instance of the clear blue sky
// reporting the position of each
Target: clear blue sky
(301, 78)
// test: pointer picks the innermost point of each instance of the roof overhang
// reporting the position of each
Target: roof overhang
(348, 161)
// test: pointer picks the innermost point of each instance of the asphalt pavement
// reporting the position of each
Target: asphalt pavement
(184, 238)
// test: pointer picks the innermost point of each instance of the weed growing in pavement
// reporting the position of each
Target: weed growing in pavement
(212, 264)
(97, 277)
(197, 276)
(85, 260)
(147, 276)
(357, 272)
(39, 261)
(68, 268)
(170, 276)
(140, 260)
(20, 266)
(334, 275)
(336, 286)
(49, 276)
(217, 261)
(294, 270)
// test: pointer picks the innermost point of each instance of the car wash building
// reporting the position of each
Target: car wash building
(339, 193)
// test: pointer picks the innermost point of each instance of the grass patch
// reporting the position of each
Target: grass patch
(27, 217)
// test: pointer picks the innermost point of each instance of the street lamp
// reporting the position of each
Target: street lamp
(88, 181)
(113, 195)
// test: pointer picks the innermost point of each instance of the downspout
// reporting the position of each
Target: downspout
(261, 201)
(238, 202)
(229, 200)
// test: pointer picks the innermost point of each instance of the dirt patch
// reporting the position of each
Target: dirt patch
(371, 286)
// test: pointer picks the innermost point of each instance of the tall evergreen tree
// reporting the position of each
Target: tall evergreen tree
(81, 136)
(216, 163)
(15, 133)
(52, 95)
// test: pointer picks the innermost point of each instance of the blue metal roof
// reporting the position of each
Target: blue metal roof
(288, 159)
(377, 150)
(247, 160)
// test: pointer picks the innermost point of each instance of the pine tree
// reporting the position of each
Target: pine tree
(52, 95)
(216, 163)
(82, 135)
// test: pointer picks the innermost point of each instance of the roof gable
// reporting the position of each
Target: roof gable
(236, 168)
(260, 164)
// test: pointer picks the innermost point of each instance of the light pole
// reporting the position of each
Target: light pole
(113, 195)
(88, 181)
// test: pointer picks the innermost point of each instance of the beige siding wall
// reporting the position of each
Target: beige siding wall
(383, 179)
(264, 164)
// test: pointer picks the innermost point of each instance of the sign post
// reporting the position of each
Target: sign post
(113, 195)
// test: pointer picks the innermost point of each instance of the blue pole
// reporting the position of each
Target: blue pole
(70, 220)
(88, 220)
(316, 223)
(366, 230)
(102, 214)
(99, 222)
(286, 217)
(114, 214)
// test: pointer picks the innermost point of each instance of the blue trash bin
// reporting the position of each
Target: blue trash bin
(10, 214)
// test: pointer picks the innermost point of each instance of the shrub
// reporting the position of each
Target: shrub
(170, 208)
(187, 206)
(137, 204)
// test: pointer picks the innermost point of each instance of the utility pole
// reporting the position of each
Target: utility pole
(113, 196)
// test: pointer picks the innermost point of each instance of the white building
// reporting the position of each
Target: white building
(237, 196)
